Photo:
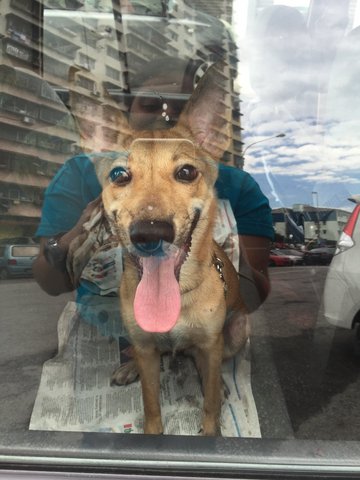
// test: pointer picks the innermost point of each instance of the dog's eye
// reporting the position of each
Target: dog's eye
(120, 175)
(186, 173)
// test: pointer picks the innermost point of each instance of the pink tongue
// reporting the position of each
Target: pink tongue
(157, 299)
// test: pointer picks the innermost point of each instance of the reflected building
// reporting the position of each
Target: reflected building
(84, 56)
(304, 223)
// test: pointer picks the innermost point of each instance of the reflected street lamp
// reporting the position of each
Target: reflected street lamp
(315, 194)
(279, 135)
(316, 205)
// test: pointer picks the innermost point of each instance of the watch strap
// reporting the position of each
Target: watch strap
(55, 254)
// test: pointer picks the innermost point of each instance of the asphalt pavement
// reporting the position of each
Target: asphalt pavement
(304, 371)
(313, 363)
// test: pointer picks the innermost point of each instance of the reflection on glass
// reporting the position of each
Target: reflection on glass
(75, 77)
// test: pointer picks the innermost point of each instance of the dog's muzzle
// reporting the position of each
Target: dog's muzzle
(148, 236)
(157, 301)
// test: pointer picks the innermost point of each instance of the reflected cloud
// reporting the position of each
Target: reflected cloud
(298, 165)
(309, 153)
(310, 91)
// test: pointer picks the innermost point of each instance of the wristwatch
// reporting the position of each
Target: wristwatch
(55, 254)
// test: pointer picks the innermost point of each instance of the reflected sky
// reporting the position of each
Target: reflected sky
(301, 79)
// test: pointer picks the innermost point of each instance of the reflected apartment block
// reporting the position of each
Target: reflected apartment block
(35, 127)
(85, 59)
(305, 223)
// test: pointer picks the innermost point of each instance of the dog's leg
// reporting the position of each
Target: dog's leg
(236, 332)
(148, 363)
(208, 361)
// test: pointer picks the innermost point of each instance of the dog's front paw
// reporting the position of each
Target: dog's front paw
(210, 428)
(153, 426)
(125, 374)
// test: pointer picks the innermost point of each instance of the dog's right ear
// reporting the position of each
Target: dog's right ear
(208, 112)
(102, 126)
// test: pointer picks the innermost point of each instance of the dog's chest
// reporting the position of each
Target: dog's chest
(181, 337)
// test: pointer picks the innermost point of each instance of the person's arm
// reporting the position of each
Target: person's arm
(253, 270)
(253, 217)
(52, 280)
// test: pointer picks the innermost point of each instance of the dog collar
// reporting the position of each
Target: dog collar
(219, 265)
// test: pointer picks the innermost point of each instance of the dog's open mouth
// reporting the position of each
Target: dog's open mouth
(157, 302)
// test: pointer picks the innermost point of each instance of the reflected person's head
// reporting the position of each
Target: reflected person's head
(161, 92)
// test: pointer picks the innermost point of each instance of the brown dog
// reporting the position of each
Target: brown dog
(179, 291)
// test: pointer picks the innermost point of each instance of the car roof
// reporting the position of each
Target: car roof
(355, 198)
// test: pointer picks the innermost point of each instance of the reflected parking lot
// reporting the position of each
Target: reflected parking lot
(314, 362)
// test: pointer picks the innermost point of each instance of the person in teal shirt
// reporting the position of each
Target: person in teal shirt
(74, 193)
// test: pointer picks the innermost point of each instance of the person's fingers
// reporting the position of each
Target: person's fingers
(90, 208)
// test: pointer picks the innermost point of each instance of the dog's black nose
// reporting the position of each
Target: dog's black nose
(148, 235)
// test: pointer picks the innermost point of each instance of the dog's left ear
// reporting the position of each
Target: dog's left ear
(208, 112)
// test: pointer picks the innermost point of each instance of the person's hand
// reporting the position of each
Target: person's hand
(50, 279)
(253, 270)
(78, 229)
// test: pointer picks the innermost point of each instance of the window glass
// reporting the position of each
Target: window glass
(179, 236)
(25, 251)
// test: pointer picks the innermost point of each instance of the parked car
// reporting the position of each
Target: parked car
(279, 259)
(296, 257)
(20, 240)
(342, 285)
(17, 260)
(319, 256)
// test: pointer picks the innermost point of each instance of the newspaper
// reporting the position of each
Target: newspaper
(75, 392)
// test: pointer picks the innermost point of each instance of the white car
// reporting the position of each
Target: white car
(342, 286)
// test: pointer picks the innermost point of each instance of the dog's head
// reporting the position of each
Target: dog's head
(159, 191)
